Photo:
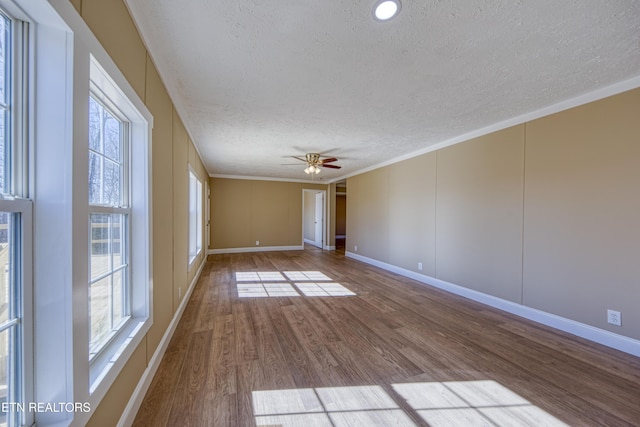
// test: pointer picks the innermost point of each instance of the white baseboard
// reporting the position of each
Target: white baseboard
(591, 333)
(255, 249)
(341, 236)
(131, 410)
(309, 241)
(330, 248)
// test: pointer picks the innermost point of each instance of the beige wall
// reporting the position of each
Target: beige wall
(246, 211)
(582, 213)
(161, 108)
(412, 189)
(479, 214)
(172, 153)
(368, 214)
(543, 214)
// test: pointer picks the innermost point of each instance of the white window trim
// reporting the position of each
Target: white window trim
(97, 93)
(64, 48)
(199, 217)
(105, 366)
(25, 362)
(16, 201)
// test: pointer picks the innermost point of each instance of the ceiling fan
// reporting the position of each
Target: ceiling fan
(314, 162)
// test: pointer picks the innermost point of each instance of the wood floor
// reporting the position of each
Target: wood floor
(396, 353)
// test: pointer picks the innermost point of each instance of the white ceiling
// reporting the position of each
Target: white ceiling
(257, 81)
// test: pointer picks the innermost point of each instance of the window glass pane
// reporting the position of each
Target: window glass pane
(100, 254)
(109, 273)
(111, 183)
(95, 178)
(106, 171)
(111, 137)
(5, 62)
(5, 155)
(9, 285)
(193, 209)
(5, 372)
(119, 281)
(99, 310)
(117, 229)
(6, 290)
(94, 125)
(199, 217)
(3, 149)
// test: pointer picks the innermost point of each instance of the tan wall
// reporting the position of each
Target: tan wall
(582, 213)
(161, 108)
(544, 214)
(412, 189)
(368, 214)
(172, 151)
(479, 214)
(246, 211)
(180, 207)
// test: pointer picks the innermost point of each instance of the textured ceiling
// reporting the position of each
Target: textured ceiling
(256, 81)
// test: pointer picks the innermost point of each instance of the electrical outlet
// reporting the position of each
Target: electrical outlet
(257, 242)
(614, 317)
(355, 248)
(180, 292)
(420, 266)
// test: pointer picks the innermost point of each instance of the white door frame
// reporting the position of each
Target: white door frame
(324, 215)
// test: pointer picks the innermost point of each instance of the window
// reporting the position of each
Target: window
(89, 152)
(195, 216)
(118, 228)
(5, 101)
(108, 222)
(15, 231)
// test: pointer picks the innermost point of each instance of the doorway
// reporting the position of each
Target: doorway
(341, 215)
(313, 217)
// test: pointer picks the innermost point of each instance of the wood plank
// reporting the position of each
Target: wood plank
(393, 333)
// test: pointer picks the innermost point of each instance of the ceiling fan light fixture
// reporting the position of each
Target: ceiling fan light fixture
(385, 10)
(312, 169)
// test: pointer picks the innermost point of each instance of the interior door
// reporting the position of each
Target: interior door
(319, 220)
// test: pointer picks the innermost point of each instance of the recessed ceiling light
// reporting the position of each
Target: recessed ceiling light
(386, 9)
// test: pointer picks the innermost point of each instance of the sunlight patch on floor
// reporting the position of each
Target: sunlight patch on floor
(261, 290)
(328, 406)
(324, 289)
(452, 403)
(306, 276)
(262, 284)
(472, 403)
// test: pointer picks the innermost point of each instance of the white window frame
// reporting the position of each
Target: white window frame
(22, 322)
(195, 216)
(122, 207)
(67, 56)
(138, 193)
(14, 201)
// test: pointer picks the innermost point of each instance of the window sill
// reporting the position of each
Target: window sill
(106, 366)
(193, 260)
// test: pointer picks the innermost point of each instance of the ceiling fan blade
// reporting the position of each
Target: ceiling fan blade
(299, 158)
(329, 160)
(331, 166)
